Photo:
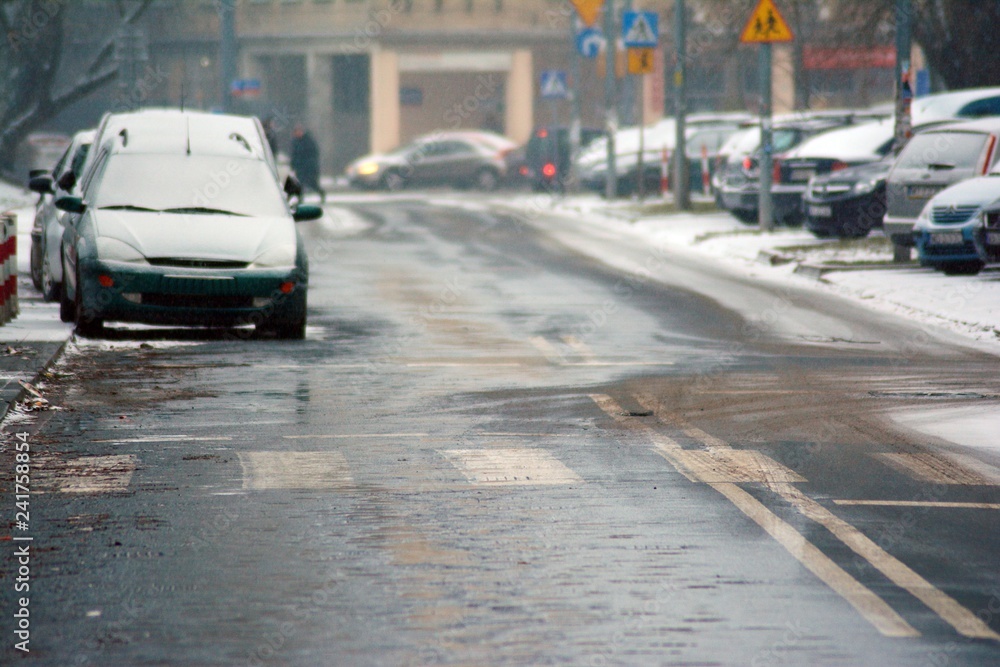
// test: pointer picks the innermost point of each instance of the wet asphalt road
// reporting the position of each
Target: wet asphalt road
(492, 450)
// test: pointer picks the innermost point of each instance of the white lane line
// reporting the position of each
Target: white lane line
(294, 470)
(463, 364)
(871, 607)
(964, 621)
(96, 474)
(354, 436)
(920, 503)
(580, 348)
(168, 438)
(511, 466)
(927, 467)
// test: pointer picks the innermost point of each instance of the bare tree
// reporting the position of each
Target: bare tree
(33, 52)
(959, 38)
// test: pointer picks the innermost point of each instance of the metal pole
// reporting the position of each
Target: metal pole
(227, 50)
(682, 182)
(641, 170)
(904, 38)
(576, 87)
(766, 210)
(610, 89)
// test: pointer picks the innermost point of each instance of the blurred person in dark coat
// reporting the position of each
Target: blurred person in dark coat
(305, 159)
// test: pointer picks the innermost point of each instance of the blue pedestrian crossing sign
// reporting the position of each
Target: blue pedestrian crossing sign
(554, 85)
(590, 42)
(640, 29)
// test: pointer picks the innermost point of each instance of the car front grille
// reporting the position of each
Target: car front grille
(196, 300)
(197, 263)
(952, 215)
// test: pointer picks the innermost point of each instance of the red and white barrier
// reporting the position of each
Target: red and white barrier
(8, 262)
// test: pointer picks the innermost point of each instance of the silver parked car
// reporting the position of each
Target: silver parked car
(47, 230)
(930, 162)
(183, 223)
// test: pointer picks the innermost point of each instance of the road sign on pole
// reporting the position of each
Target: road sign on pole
(640, 29)
(590, 42)
(588, 10)
(641, 61)
(553, 85)
(766, 25)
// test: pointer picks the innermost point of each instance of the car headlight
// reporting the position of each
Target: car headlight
(864, 187)
(117, 251)
(276, 256)
(924, 219)
(367, 168)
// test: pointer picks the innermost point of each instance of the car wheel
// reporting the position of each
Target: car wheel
(393, 181)
(36, 266)
(88, 324)
(50, 288)
(969, 268)
(487, 179)
(745, 216)
(67, 309)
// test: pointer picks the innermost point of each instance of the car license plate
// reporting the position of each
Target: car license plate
(821, 211)
(799, 175)
(950, 238)
(992, 238)
(922, 191)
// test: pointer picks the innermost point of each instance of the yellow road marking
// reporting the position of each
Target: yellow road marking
(868, 604)
(927, 467)
(964, 621)
(921, 503)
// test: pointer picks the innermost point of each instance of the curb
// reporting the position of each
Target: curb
(5, 408)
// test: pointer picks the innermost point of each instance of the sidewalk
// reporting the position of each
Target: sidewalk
(35, 338)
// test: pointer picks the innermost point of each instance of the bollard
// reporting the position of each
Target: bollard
(8, 272)
(706, 173)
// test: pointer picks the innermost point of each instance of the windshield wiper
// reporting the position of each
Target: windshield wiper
(201, 209)
(128, 207)
(941, 165)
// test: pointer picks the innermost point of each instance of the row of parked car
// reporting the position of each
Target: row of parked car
(842, 177)
(175, 218)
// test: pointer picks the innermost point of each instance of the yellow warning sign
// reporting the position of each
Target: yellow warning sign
(641, 61)
(766, 25)
(588, 10)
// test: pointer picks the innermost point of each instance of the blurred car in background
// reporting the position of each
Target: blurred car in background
(848, 203)
(955, 105)
(444, 158)
(930, 162)
(547, 156)
(739, 184)
(830, 151)
(946, 231)
(48, 227)
(709, 130)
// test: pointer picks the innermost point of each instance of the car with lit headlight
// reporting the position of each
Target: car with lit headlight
(449, 159)
(183, 224)
(947, 233)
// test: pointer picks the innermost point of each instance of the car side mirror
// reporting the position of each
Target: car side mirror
(67, 181)
(293, 188)
(71, 204)
(304, 213)
(41, 184)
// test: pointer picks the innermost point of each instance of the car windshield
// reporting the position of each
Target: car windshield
(190, 184)
(953, 149)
